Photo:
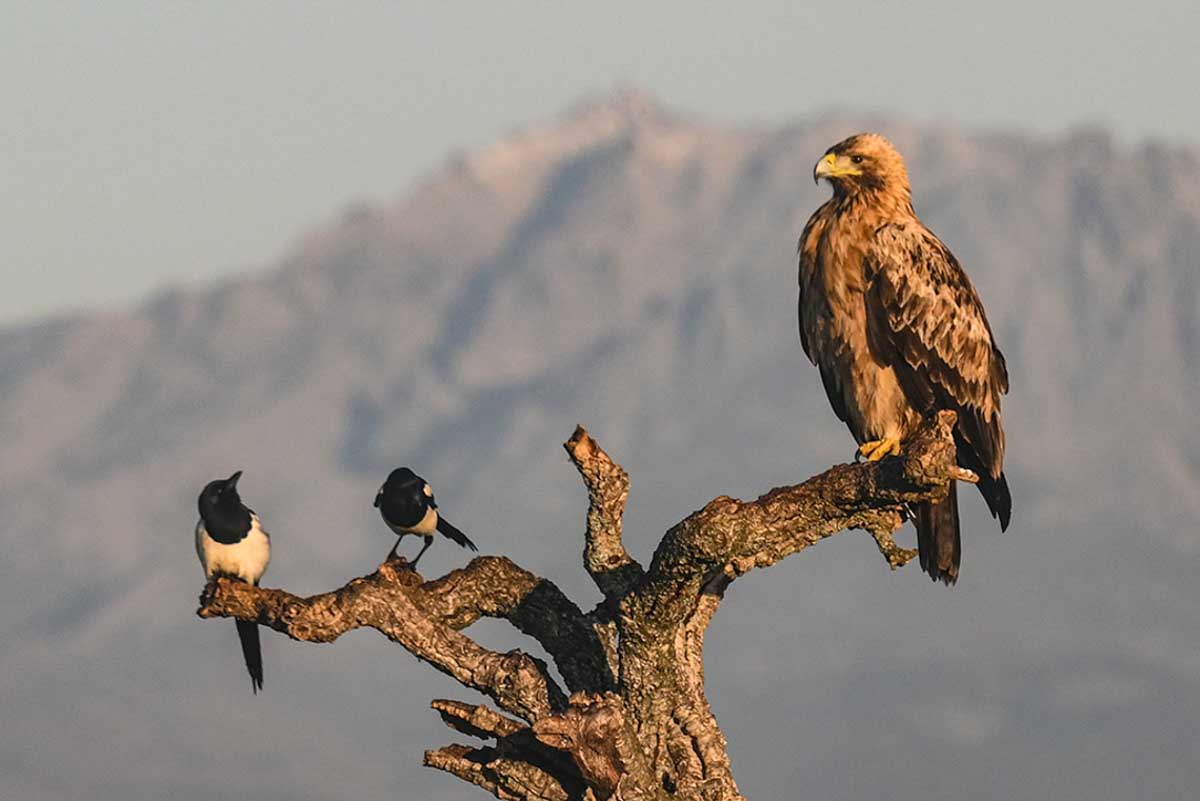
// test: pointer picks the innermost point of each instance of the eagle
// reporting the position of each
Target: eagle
(898, 332)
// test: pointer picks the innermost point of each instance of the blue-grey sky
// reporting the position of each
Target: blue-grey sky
(147, 143)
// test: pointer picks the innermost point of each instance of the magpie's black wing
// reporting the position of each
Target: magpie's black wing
(450, 532)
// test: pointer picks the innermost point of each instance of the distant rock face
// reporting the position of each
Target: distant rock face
(632, 268)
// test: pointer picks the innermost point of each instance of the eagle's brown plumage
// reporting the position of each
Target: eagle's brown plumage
(898, 331)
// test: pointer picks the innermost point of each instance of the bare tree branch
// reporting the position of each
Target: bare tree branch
(518, 766)
(740, 535)
(476, 720)
(516, 681)
(609, 564)
(493, 586)
(508, 779)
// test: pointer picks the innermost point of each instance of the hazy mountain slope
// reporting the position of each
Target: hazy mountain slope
(634, 270)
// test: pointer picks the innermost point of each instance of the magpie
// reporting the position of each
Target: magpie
(231, 542)
(405, 501)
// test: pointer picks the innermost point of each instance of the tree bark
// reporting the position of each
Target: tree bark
(637, 724)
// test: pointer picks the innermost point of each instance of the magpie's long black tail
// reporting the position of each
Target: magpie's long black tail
(450, 532)
(938, 537)
(252, 651)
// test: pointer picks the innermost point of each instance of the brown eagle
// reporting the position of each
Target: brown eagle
(892, 321)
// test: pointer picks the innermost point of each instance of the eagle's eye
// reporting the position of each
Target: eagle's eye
(857, 159)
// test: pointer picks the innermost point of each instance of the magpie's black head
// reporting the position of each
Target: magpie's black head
(400, 481)
(221, 497)
(403, 477)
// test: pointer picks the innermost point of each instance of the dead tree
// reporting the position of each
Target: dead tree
(632, 722)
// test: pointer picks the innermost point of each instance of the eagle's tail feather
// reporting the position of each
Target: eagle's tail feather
(251, 652)
(938, 539)
(448, 530)
(999, 501)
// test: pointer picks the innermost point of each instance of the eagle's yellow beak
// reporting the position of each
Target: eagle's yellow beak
(831, 166)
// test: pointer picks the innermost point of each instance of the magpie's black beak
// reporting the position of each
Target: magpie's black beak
(378, 497)
(231, 482)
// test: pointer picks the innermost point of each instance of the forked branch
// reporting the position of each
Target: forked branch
(604, 556)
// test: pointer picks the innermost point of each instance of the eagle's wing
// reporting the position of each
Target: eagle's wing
(806, 250)
(812, 296)
(926, 320)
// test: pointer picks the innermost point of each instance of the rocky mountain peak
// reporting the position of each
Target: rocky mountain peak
(633, 269)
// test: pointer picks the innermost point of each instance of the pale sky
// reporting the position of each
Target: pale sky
(152, 143)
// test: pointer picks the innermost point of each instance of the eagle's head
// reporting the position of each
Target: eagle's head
(863, 162)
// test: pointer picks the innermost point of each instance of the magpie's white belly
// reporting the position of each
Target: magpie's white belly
(425, 526)
(246, 559)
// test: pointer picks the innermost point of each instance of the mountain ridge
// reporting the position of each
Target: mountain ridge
(632, 268)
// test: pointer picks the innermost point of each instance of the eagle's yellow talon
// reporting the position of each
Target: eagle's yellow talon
(878, 449)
